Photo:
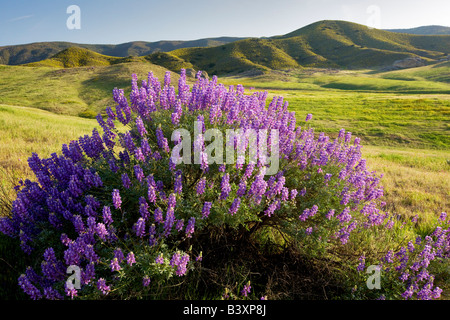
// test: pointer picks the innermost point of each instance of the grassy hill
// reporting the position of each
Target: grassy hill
(26, 53)
(335, 44)
(324, 44)
(76, 57)
(84, 90)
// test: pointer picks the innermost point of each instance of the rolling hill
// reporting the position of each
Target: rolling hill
(324, 44)
(76, 57)
(329, 44)
(26, 53)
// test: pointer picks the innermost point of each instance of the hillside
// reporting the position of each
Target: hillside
(26, 53)
(324, 44)
(76, 57)
(81, 91)
(424, 30)
(330, 44)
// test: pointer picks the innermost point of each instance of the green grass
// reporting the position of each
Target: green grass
(26, 130)
(416, 181)
(382, 112)
(70, 91)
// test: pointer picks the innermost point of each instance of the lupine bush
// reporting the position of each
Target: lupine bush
(118, 209)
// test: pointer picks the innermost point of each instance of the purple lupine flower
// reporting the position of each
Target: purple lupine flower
(71, 291)
(389, 257)
(117, 201)
(158, 215)
(161, 140)
(284, 194)
(152, 233)
(241, 189)
(348, 137)
(131, 259)
(176, 115)
(225, 186)
(78, 223)
(151, 194)
(119, 254)
(303, 192)
(344, 216)
(139, 155)
(171, 203)
(246, 290)
(101, 231)
(180, 262)
(126, 182)
(294, 193)
(178, 185)
(115, 265)
(90, 254)
(234, 206)
(308, 117)
(308, 231)
(206, 209)
(160, 259)
(404, 276)
(204, 161)
(139, 227)
(139, 173)
(51, 293)
(436, 294)
(201, 185)
(146, 281)
(190, 227)
(145, 147)
(248, 171)
(272, 207)
(307, 213)
(89, 211)
(101, 285)
(179, 225)
(143, 208)
(6, 226)
(140, 126)
(169, 221)
(88, 273)
(107, 218)
(128, 142)
(361, 264)
(443, 216)
(408, 293)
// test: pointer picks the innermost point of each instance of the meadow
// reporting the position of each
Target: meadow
(402, 118)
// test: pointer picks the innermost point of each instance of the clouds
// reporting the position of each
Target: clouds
(21, 18)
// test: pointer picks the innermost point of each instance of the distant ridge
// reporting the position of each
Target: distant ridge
(32, 52)
(323, 44)
(424, 30)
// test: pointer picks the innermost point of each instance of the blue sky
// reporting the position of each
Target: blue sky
(112, 22)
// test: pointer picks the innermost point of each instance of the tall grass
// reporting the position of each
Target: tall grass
(27, 130)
